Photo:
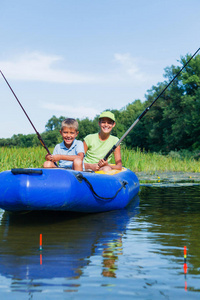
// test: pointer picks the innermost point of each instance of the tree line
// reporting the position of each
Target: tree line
(171, 124)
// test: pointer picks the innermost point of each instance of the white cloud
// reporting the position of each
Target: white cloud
(39, 67)
(72, 111)
(127, 63)
(129, 66)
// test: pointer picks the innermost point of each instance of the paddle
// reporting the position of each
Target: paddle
(146, 110)
(38, 135)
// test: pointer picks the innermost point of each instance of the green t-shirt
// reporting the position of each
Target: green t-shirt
(97, 149)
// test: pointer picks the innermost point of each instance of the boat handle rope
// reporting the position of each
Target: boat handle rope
(80, 177)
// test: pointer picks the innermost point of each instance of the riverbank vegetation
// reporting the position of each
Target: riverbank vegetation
(136, 160)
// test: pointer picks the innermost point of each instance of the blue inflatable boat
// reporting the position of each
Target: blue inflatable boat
(66, 190)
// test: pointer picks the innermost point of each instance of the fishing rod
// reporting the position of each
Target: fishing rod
(38, 135)
(146, 110)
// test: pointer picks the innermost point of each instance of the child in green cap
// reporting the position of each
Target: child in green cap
(97, 145)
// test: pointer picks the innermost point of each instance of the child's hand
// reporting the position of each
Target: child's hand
(48, 157)
(102, 163)
(54, 158)
(94, 167)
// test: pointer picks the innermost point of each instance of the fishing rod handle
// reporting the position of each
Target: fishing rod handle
(110, 152)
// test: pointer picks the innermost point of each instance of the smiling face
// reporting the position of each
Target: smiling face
(106, 125)
(68, 134)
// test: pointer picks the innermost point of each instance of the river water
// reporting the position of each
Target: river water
(135, 253)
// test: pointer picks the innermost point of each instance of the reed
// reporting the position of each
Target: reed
(21, 157)
(136, 160)
(139, 161)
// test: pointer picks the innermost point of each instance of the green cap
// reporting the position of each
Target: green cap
(107, 114)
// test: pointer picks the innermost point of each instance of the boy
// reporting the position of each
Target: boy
(97, 145)
(70, 152)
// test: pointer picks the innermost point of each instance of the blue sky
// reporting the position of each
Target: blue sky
(76, 58)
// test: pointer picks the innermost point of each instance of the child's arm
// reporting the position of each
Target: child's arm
(58, 157)
(118, 160)
(85, 146)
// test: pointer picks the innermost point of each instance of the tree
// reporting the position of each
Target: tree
(54, 123)
(51, 138)
(126, 118)
(173, 122)
(86, 127)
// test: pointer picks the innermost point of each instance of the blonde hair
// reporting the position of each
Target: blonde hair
(69, 122)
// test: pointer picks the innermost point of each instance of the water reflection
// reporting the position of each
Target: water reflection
(110, 255)
(69, 240)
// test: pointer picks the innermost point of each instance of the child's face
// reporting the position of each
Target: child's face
(68, 134)
(106, 125)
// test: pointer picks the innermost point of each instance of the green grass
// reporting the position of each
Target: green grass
(135, 160)
(21, 157)
(139, 161)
